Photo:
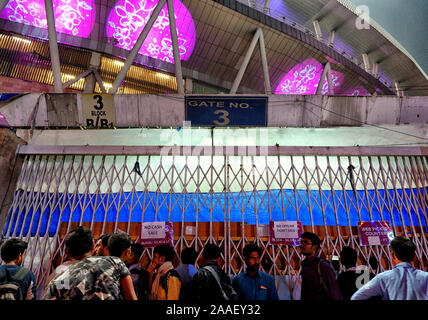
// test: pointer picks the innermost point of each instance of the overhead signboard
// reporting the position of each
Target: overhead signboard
(226, 111)
(375, 233)
(98, 111)
(285, 232)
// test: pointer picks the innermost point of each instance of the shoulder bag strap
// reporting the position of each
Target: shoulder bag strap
(322, 279)
(215, 275)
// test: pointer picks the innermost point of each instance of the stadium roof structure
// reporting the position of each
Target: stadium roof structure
(213, 38)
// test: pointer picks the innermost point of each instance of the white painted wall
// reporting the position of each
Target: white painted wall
(283, 111)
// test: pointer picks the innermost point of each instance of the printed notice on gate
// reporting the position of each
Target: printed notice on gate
(98, 111)
(285, 229)
(153, 230)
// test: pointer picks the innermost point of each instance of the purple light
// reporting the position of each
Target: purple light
(303, 79)
(74, 17)
(128, 18)
(357, 91)
(337, 79)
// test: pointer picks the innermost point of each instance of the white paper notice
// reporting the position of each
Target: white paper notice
(263, 230)
(190, 230)
(374, 241)
(285, 230)
(153, 230)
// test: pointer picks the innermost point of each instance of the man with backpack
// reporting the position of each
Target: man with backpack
(211, 283)
(140, 277)
(318, 276)
(16, 282)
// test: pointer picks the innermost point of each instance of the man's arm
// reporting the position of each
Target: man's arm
(128, 288)
(329, 277)
(370, 289)
(273, 291)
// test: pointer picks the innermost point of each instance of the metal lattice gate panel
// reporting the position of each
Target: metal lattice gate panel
(226, 199)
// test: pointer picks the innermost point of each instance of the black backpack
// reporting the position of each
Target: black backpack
(10, 286)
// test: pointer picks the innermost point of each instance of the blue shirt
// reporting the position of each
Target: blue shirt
(260, 287)
(186, 272)
(403, 282)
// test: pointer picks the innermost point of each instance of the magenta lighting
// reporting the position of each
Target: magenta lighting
(304, 78)
(128, 18)
(74, 17)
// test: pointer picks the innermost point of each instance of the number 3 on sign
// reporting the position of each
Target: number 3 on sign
(224, 116)
(99, 101)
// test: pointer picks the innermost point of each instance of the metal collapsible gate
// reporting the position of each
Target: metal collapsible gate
(221, 195)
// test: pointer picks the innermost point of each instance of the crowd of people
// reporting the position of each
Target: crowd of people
(109, 269)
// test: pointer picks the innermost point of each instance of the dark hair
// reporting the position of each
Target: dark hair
(313, 237)
(250, 248)
(348, 257)
(211, 251)
(137, 249)
(12, 248)
(404, 249)
(188, 256)
(117, 243)
(373, 262)
(104, 239)
(165, 250)
(78, 241)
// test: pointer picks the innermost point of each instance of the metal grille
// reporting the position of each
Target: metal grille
(29, 59)
(108, 182)
(138, 80)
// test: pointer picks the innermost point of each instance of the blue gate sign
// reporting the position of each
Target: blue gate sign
(226, 111)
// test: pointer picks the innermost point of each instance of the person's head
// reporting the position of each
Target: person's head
(252, 254)
(403, 250)
(188, 256)
(348, 257)
(101, 246)
(136, 253)
(373, 263)
(79, 242)
(309, 244)
(211, 252)
(162, 254)
(119, 245)
(12, 251)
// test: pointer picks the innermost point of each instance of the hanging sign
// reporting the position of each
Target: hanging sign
(375, 233)
(226, 111)
(285, 232)
(98, 110)
(154, 234)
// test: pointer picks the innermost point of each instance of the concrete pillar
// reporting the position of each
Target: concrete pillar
(397, 88)
(266, 6)
(244, 65)
(375, 69)
(318, 32)
(189, 86)
(268, 89)
(90, 79)
(366, 62)
(53, 46)
(142, 37)
(331, 37)
(176, 50)
(3, 4)
(10, 168)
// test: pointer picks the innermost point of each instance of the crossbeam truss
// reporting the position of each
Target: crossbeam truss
(45, 180)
